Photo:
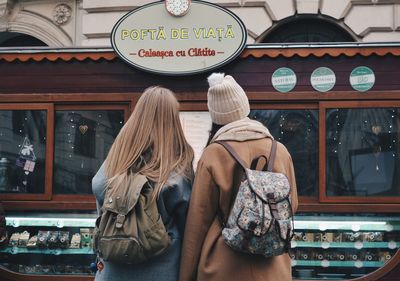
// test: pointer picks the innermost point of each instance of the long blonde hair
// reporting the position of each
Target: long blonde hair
(152, 141)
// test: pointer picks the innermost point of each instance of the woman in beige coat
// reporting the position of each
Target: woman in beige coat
(205, 256)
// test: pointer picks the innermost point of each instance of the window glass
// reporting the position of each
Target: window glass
(82, 141)
(362, 150)
(22, 151)
(298, 131)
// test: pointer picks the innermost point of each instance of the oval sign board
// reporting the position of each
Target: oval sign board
(151, 39)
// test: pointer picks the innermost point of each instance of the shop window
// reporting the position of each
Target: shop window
(82, 141)
(22, 151)
(362, 152)
(298, 131)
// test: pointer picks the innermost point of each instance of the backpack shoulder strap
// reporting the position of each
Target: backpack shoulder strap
(230, 149)
(272, 155)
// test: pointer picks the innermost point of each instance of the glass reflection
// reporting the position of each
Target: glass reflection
(22, 151)
(82, 141)
(362, 152)
(298, 131)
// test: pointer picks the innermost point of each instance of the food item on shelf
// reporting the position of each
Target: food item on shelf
(32, 242)
(304, 254)
(319, 255)
(43, 236)
(384, 256)
(327, 237)
(75, 241)
(63, 239)
(337, 237)
(14, 239)
(373, 237)
(86, 237)
(297, 236)
(53, 239)
(23, 239)
(318, 237)
(371, 255)
(352, 237)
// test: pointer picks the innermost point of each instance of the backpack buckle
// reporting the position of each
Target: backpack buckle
(119, 221)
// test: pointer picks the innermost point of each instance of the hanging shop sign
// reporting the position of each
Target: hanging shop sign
(201, 38)
(323, 79)
(362, 78)
(283, 79)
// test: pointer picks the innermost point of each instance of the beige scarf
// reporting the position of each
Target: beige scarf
(242, 130)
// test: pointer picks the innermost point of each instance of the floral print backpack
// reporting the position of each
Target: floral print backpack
(261, 219)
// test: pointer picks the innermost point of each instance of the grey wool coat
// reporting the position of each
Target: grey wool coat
(172, 205)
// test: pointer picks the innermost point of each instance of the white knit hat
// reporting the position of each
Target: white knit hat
(227, 101)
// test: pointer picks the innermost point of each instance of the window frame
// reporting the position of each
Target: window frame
(48, 175)
(323, 107)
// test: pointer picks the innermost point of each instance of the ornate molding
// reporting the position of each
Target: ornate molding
(5, 7)
(61, 14)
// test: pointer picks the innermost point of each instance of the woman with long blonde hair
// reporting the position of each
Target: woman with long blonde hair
(151, 143)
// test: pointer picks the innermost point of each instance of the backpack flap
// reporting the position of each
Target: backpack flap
(122, 200)
(268, 185)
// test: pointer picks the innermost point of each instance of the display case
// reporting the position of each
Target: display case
(49, 244)
(325, 246)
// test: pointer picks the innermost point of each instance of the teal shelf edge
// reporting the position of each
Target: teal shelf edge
(55, 222)
(325, 263)
(346, 225)
(18, 250)
(355, 245)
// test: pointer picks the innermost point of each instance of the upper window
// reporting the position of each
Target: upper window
(15, 39)
(306, 29)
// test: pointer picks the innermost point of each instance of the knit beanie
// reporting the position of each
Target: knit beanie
(226, 100)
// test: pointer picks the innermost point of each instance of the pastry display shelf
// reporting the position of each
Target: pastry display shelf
(19, 250)
(355, 245)
(51, 221)
(326, 263)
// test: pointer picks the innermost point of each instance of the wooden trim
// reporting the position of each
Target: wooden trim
(317, 96)
(81, 198)
(94, 56)
(302, 52)
(92, 107)
(201, 96)
(8, 275)
(310, 207)
(49, 205)
(193, 106)
(46, 195)
(322, 153)
(324, 198)
(49, 152)
(319, 52)
(277, 106)
(67, 97)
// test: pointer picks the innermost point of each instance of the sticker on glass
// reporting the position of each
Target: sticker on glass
(323, 79)
(283, 79)
(362, 78)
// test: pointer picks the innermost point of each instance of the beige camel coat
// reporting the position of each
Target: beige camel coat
(205, 256)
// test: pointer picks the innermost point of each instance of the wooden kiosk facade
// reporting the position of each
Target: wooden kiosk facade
(95, 80)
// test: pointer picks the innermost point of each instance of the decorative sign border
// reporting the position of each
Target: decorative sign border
(197, 70)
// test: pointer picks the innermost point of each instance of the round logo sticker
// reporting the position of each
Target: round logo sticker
(362, 78)
(323, 79)
(283, 79)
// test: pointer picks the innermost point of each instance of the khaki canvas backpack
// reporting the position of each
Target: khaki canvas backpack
(130, 229)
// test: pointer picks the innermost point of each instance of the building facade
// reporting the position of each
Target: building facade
(88, 23)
